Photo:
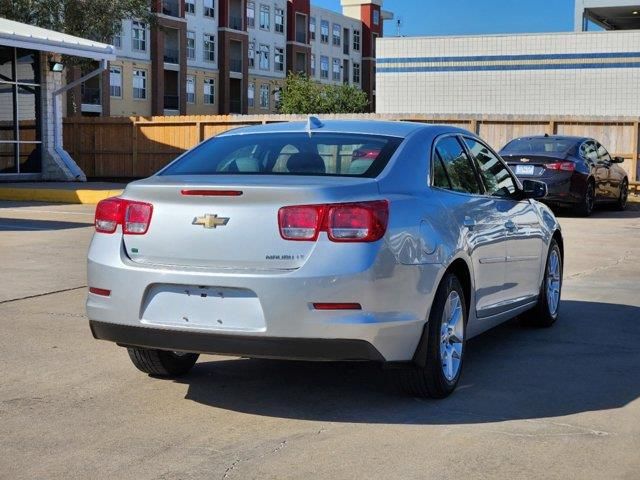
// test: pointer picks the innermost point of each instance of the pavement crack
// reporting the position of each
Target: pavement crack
(28, 297)
(237, 461)
(628, 255)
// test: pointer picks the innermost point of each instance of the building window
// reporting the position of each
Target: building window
(337, 29)
(251, 94)
(115, 82)
(313, 65)
(139, 36)
(264, 95)
(376, 17)
(209, 91)
(278, 18)
(356, 73)
(324, 67)
(263, 57)
(209, 9)
(265, 17)
(139, 84)
(191, 45)
(356, 40)
(251, 14)
(278, 59)
(252, 55)
(190, 6)
(336, 69)
(209, 47)
(324, 31)
(191, 89)
(117, 38)
(312, 28)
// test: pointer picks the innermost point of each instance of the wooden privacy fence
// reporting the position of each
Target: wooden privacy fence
(130, 147)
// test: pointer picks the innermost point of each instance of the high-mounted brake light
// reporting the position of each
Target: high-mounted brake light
(212, 193)
(337, 306)
(564, 166)
(134, 217)
(343, 222)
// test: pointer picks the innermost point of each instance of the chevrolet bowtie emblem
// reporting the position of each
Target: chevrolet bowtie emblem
(210, 221)
(525, 160)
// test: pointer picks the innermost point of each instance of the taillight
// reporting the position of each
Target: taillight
(134, 217)
(343, 222)
(564, 166)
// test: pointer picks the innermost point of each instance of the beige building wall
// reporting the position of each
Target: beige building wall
(198, 107)
(273, 84)
(126, 105)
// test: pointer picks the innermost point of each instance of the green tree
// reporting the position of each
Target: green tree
(301, 95)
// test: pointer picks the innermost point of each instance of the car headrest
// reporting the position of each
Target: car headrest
(303, 162)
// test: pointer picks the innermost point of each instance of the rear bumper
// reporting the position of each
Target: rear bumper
(315, 349)
(564, 188)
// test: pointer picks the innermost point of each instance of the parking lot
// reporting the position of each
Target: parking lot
(556, 403)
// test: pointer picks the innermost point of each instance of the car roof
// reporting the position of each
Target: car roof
(371, 127)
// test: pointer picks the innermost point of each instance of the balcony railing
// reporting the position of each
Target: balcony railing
(171, 8)
(345, 47)
(90, 95)
(235, 65)
(171, 55)
(235, 106)
(235, 22)
(171, 102)
(301, 37)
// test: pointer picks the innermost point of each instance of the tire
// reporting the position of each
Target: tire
(161, 363)
(621, 204)
(544, 314)
(585, 208)
(435, 379)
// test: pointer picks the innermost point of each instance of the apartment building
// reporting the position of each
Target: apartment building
(232, 56)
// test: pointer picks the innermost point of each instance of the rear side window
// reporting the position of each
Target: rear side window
(324, 154)
(495, 175)
(456, 167)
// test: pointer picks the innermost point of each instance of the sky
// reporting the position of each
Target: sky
(467, 17)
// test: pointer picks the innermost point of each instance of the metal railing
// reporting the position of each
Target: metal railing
(171, 102)
(235, 106)
(171, 8)
(235, 65)
(171, 55)
(90, 95)
(301, 37)
(235, 22)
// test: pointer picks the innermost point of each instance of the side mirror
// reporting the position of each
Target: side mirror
(534, 189)
(617, 160)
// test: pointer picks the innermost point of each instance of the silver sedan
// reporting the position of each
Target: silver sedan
(345, 240)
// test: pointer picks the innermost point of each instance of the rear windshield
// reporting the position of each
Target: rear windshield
(541, 146)
(325, 154)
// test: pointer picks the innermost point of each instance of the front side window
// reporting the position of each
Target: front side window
(312, 28)
(337, 29)
(589, 152)
(278, 15)
(278, 59)
(264, 96)
(324, 67)
(115, 82)
(139, 36)
(191, 45)
(603, 155)
(251, 94)
(252, 54)
(209, 47)
(251, 14)
(265, 17)
(495, 175)
(264, 57)
(209, 9)
(191, 89)
(190, 6)
(336, 69)
(460, 175)
(321, 154)
(324, 31)
(356, 40)
(139, 84)
(209, 91)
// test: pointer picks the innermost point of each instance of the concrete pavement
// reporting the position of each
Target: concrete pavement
(556, 403)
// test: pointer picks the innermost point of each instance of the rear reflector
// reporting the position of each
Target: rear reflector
(212, 193)
(100, 291)
(564, 166)
(337, 306)
(343, 222)
(134, 217)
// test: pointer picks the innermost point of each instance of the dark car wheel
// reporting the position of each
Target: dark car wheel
(585, 208)
(445, 345)
(545, 313)
(621, 204)
(161, 363)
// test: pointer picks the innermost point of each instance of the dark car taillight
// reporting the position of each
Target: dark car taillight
(343, 222)
(564, 166)
(134, 217)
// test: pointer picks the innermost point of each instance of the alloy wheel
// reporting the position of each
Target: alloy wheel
(553, 281)
(452, 336)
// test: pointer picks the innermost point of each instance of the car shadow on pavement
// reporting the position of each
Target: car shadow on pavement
(28, 225)
(588, 361)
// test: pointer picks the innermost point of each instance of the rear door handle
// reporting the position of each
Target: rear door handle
(510, 225)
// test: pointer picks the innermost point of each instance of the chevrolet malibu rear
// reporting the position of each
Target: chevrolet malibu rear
(286, 241)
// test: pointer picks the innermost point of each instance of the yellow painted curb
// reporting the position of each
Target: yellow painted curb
(56, 195)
